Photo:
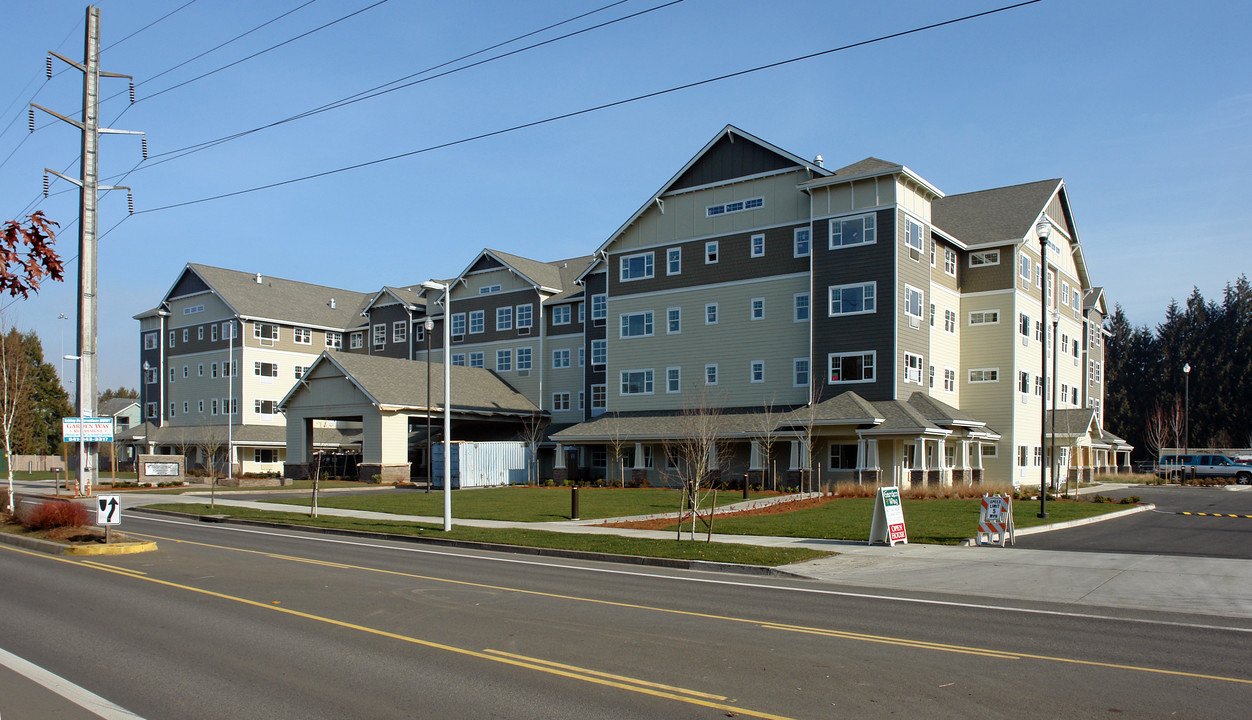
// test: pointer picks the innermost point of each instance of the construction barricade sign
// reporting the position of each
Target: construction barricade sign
(887, 526)
(995, 520)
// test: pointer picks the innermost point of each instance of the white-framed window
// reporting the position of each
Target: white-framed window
(1038, 386)
(982, 259)
(757, 245)
(213, 370)
(800, 372)
(756, 371)
(200, 370)
(1023, 455)
(673, 380)
(400, 331)
(599, 306)
(990, 450)
(710, 252)
(171, 338)
(560, 401)
(1097, 371)
(913, 302)
(213, 332)
(949, 261)
(984, 317)
(1064, 293)
(1074, 300)
(599, 397)
(1064, 393)
(560, 358)
(1073, 396)
(800, 307)
(334, 340)
(200, 332)
(504, 318)
(560, 315)
(477, 321)
(850, 231)
(856, 299)
(524, 358)
(710, 313)
(932, 378)
(582, 400)
(213, 407)
(504, 360)
(172, 409)
(151, 410)
(1064, 344)
(230, 368)
(984, 375)
(636, 324)
(853, 367)
(912, 368)
(599, 352)
(802, 244)
(171, 373)
(458, 323)
(302, 336)
(734, 207)
(489, 289)
(265, 455)
(476, 359)
(265, 407)
(1023, 325)
(674, 261)
(757, 308)
(582, 313)
(300, 370)
(186, 335)
(263, 331)
(1023, 382)
(914, 235)
(932, 314)
(949, 321)
(355, 341)
(582, 356)
(1038, 456)
(150, 376)
(636, 267)
(265, 369)
(635, 382)
(150, 340)
(525, 316)
(1039, 330)
(1024, 268)
(710, 374)
(228, 330)
(380, 335)
(673, 321)
(458, 359)
(949, 380)
(934, 252)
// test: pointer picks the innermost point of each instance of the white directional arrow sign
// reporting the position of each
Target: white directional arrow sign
(108, 510)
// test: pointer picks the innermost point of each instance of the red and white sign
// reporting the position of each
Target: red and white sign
(995, 518)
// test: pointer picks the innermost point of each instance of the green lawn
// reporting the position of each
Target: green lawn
(612, 544)
(942, 522)
(520, 504)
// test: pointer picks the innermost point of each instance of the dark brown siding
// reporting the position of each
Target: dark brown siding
(593, 285)
(188, 284)
(734, 262)
(855, 333)
(573, 327)
(488, 304)
(917, 273)
(939, 274)
(986, 278)
(387, 315)
(727, 160)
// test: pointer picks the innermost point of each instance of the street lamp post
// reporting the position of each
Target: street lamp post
(1186, 408)
(63, 316)
(447, 398)
(1052, 460)
(429, 327)
(1043, 229)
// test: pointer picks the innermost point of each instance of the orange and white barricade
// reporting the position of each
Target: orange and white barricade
(995, 520)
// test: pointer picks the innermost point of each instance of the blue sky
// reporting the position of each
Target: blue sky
(1143, 107)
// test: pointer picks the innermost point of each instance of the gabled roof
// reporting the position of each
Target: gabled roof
(398, 384)
(1072, 422)
(662, 424)
(942, 413)
(551, 277)
(846, 408)
(116, 405)
(410, 297)
(728, 133)
(871, 167)
(998, 215)
(1095, 299)
(277, 299)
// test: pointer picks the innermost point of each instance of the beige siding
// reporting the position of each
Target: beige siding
(945, 347)
(985, 347)
(860, 195)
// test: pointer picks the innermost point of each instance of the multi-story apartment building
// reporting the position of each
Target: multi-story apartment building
(851, 323)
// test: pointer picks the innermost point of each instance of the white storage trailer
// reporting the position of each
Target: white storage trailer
(482, 464)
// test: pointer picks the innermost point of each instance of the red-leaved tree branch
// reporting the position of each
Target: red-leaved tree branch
(27, 257)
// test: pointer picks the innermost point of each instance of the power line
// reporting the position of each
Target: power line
(379, 89)
(605, 106)
(145, 27)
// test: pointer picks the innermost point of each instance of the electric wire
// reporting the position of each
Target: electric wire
(145, 27)
(596, 108)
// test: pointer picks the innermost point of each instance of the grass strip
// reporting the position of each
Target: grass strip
(611, 544)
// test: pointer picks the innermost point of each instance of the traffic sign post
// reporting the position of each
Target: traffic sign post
(108, 514)
(887, 526)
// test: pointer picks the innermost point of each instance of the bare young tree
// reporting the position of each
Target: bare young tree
(766, 435)
(532, 434)
(14, 392)
(616, 443)
(1175, 420)
(1156, 431)
(696, 451)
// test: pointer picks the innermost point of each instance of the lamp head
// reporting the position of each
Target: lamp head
(429, 325)
(1043, 229)
(1186, 368)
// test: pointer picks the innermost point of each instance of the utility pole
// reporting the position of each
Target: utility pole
(89, 188)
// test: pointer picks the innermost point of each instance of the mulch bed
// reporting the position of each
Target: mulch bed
(775, 509)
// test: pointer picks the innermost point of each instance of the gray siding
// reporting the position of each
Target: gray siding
(728, 160)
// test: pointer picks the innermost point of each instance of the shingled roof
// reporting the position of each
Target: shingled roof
(996, 215)
(281, 300)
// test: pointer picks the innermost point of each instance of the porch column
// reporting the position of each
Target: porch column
(639, 457)
(919, 460)
(299, 448)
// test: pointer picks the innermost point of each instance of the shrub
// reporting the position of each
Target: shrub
(1098, 498)
(1130, 500)
(55, 514)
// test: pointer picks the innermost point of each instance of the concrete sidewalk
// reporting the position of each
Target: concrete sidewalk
(1211, 586)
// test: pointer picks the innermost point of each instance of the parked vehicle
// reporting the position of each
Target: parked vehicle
(1145, 467)
(1179, 466)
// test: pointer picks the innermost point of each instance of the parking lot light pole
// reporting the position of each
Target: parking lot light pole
(1043, 229)
(428, 327)
(1186, 408)
(447, 398)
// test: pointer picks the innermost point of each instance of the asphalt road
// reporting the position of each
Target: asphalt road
(1165, 531)
(225, 622)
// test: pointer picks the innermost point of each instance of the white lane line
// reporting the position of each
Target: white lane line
(79, 696)
(711, 581)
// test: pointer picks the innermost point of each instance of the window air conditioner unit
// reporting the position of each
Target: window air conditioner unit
(914, 322)
(458, 338)
(1025, 341)
(598, 322)
(523, 331)
(523, 373)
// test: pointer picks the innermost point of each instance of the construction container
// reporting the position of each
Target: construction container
(481, 464)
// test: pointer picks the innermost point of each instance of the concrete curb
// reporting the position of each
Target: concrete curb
(56, 548)
(973, 542)
(758, 570)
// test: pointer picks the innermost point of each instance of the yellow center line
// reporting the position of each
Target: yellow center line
(621, 682)
(105, 566)
(883, 639)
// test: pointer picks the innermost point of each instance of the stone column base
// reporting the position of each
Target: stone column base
(975, 475)
(297, 471)
(387, 473)
(961, 476)
(868, 477)
(917, 478)
(934, 478)
(560, 474)
(757, 478)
